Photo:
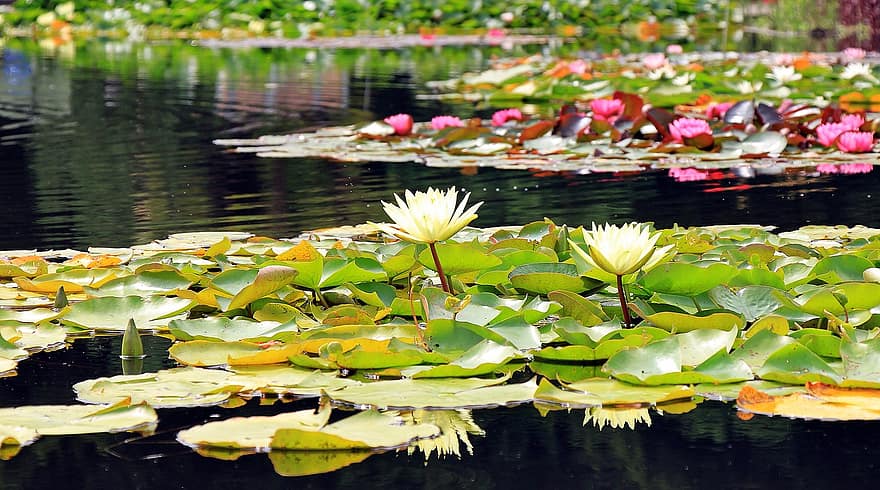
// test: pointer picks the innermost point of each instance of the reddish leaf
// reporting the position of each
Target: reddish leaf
(536, 130)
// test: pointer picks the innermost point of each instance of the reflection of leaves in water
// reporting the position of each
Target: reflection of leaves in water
(302, 463)
(455, 426)
(617, 418)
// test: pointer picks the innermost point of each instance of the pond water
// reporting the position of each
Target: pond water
(109, 144)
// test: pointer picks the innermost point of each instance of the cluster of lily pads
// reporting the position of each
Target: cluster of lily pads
(532, 314)
(620, 115)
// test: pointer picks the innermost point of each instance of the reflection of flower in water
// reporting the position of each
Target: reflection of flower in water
(844, 168)
(455, 425)
(688, 174)
(617, 418)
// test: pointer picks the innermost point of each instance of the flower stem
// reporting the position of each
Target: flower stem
(621, 295)
(439, 268)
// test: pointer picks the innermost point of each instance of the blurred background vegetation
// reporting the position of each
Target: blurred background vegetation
(291, 18)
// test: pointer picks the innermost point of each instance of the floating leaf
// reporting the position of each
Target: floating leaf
(835, 406)
(796, 364)
(436, 393)
(542, 278)
(458, 258)
(228, 329)
(686, 279)
(144, 283)
(48, 420)
(593, 392)
(112, 313)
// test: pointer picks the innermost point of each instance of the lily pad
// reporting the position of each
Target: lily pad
(112, 313)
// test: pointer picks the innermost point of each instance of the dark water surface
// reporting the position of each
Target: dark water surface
(110, 145)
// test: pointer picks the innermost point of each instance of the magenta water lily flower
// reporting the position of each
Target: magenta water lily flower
(441, 122)
(504, 115)
(718, 110)
(402, 123)
(688, 127)
(856, 141)
(852, 121)
(607, 109)
(827, 133)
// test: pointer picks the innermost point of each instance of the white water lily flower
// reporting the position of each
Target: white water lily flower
(746, 87)
(683, 80)
(65, 10)
(858, 70)
(784, 74)
(621, 250)
(428, 217)
(664, 71)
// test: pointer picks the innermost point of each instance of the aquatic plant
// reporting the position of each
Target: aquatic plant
(621, 251)
(402, 124)
(429, 217)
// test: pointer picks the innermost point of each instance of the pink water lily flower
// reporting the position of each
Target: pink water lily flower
(440, 122)
(852, 121)
(674, 49)
(504, 115)
(718, 110)
(828, 132)
(856, 141)
(852, 54)
(578, 67)
(687, 127)
(607, 109)
(402, 123)
(654, 61)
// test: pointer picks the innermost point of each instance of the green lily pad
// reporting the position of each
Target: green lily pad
(683, 322)
(458, 258)
(112, 313)
(752, 302)
(48, 420)
(759, 347)
(436, 393)
(686, 279)
(578, 307)
(228, 329)
(180, 387)
(327, 272)
(839, 268)
(542, 278)
(797, 364)
(861, 363)
(144, 283)
(306, 430)
(604, 392)
(483, 358)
